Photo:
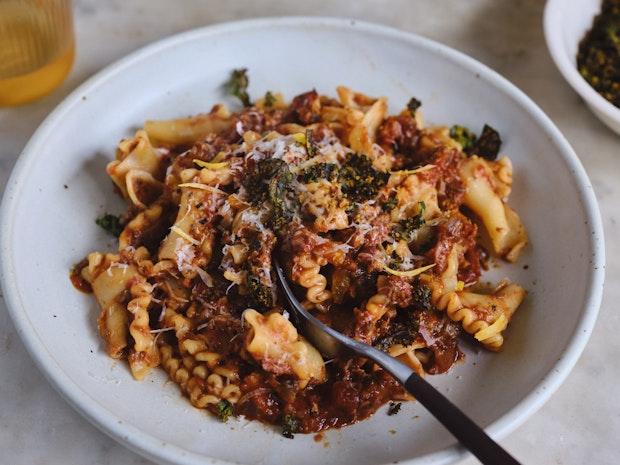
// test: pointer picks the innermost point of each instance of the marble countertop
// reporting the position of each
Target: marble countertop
(581, 422)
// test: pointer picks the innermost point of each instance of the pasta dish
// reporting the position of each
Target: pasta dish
(384, 225)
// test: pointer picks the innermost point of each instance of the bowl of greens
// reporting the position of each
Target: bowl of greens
(583, 37)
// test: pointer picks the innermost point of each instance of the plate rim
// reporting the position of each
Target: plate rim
(156, 450)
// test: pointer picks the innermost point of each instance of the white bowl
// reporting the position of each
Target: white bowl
(566, 23)
(46, 228)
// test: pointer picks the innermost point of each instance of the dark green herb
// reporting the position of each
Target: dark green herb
(422, 297)
(224, 410)
(359, 180)
(260, 293)
(238, 84)
(270, 181)
(598, 58)
(390, 203)
(290, 426)
(488, 144)
(405, 229)
(319, 171)
(310, 146)
(352, 211)
(111, 223)
(394, 408)
(269, 99)
(463, 136)
(413, 105)
(257, 181)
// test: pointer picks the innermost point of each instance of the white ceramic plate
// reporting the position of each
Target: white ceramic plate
(46, 228)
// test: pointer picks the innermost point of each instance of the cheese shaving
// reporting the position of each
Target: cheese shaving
(496, 328)
(460, 285)
(204, 187)
(162, 330)
(409, 273)
(184, 235)
(211, 165)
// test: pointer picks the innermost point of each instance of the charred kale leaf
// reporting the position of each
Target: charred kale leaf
(290, 426)
(488, 144)
(270, 181)
(269, 99)
(310, 146)
(413, 105)
(394, 408)
(282, 212)
(359, 180)
(238, 84)
(257, 181)
(111, 223)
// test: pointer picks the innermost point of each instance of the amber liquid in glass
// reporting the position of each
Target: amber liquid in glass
(37, 48)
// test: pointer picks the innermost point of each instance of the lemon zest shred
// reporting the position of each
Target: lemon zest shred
(408, 273)
(417, 170)
(184, 235)
(496, 328)
(211, 165)
(299, 137)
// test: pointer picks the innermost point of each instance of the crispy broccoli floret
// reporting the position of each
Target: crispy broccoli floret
(488, 144)
(406, 228)
(111, 223)
(463, 136)
(413, 105)
(261, 294)
(319, 171)
(238, 84)
(224, 410)
(422, 297)
(269, 99)
(359, 180)
(290, 426)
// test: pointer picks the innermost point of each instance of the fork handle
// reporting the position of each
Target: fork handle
(460, 425)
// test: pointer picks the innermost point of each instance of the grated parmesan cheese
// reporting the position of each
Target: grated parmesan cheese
(184, 235)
